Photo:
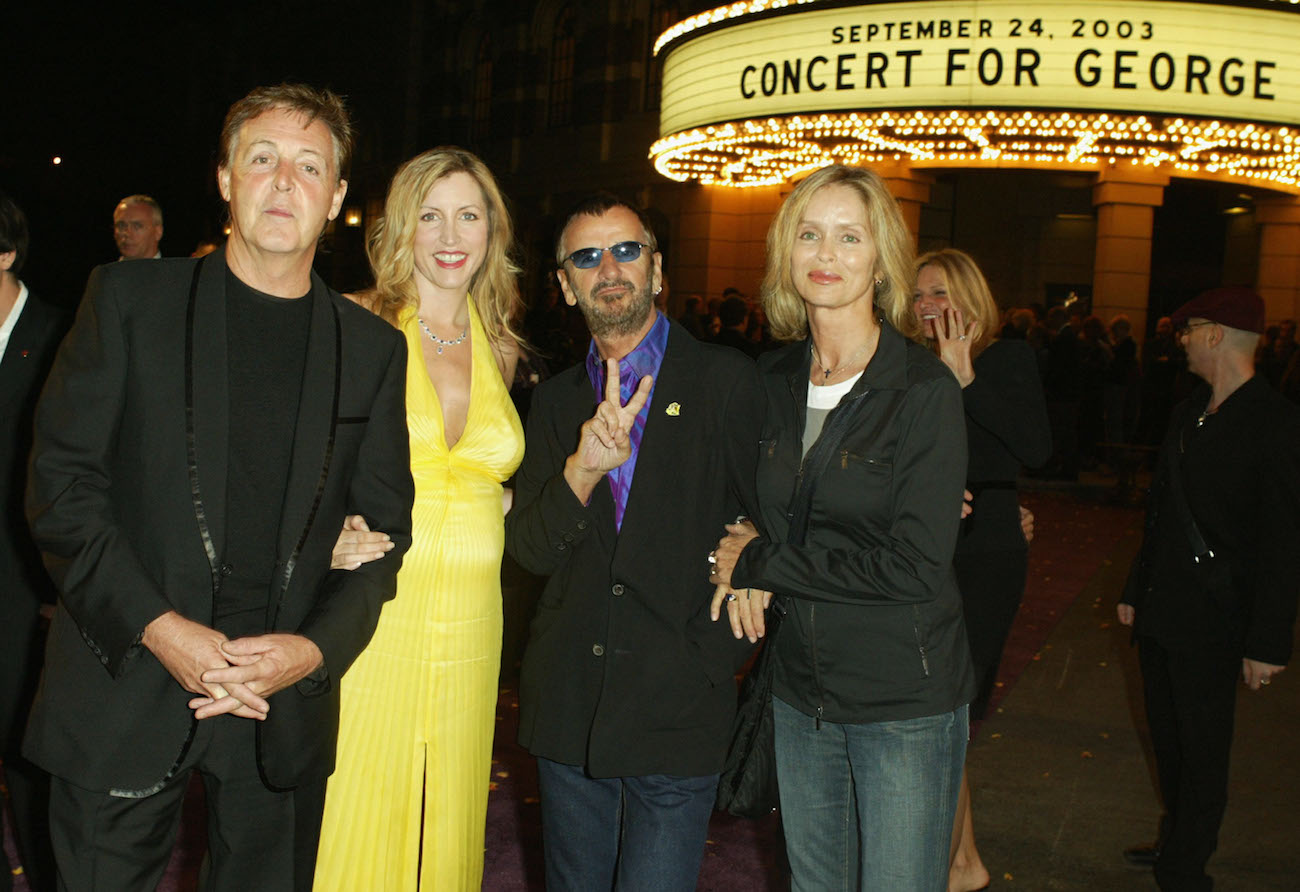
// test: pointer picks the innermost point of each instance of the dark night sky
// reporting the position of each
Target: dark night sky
(135, 105)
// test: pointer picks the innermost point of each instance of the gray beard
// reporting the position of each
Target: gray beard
(603, 321)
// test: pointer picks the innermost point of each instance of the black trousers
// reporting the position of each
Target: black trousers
(22, 648)
(992, 584)
(1191, 694)
(258, 838)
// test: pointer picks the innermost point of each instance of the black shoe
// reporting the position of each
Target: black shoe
(1142, 856)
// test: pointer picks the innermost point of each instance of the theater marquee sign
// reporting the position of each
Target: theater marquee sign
(755, 92)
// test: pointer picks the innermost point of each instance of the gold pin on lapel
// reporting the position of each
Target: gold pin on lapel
(673, 409)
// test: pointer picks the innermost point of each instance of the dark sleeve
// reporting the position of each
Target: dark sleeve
(348, 602)
(103, 584)
(546, 519)
(1006, 399)
(1270, 631)
(744, 414)
(915, 557)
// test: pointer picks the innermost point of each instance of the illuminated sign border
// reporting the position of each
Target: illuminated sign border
(766, 149)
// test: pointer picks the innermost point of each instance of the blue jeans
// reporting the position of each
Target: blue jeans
(624, 833)
(869, 807)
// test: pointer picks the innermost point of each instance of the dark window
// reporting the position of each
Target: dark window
(562, 53)
(483, 89)
(662, 17)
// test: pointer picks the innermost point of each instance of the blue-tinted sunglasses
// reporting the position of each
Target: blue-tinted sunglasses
(623, 252)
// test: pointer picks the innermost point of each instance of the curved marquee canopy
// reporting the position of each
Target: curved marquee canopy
(757, 92)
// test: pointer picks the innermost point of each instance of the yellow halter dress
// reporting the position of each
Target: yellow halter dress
(406, 806)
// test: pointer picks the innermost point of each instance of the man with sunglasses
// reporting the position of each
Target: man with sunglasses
(635, 460)
(1212, 595)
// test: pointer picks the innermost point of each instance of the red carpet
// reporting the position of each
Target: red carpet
(1073, 537)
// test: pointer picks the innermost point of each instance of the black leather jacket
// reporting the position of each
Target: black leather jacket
(874, 628)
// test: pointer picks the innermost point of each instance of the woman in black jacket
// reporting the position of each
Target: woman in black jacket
(861, 468)
(1006, 427)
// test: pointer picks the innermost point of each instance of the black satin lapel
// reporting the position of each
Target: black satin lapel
(208, 402)
(313, 438)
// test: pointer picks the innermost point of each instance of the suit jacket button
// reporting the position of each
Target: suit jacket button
(226, 569)
(598, 650)
(582, 524)
(568, 537)
(618, 589)
(560, 546)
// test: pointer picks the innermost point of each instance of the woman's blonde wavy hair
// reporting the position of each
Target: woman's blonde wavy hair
(968, 291)
(786, 314)
(390, 246)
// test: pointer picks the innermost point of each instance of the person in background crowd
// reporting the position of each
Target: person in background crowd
(1006, 427)
(1212, 594)
(690, 318)
(186, 490)
(1122, 382)
(735, 318)
(1094, 360)
(30, 330)
(1163, 364)
(1062, 377)
(864, 425)
(138, 228)
(619, 508)
(406, 808)
(1278, 356)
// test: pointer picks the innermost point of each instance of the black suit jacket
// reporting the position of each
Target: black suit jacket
(126, 500)
(23, 581)
(624, 672)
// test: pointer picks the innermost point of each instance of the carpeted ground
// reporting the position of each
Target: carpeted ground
(1075, 531)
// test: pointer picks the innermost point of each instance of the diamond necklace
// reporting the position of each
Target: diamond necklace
(460, 339)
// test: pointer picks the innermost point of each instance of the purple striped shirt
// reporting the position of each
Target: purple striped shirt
(644, 360)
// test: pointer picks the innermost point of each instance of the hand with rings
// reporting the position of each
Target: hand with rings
(952, 333)
(1257, 674)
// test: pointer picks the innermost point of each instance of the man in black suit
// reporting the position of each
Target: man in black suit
(30, 330)
(1212, 595)
(627, 691)
(205, 429)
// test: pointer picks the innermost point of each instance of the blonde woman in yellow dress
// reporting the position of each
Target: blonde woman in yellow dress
(406, 806)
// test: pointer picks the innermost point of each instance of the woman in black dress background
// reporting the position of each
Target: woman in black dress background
(1006, 428)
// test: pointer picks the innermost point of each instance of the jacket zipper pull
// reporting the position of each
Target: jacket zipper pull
(844, 460)
(818, 723)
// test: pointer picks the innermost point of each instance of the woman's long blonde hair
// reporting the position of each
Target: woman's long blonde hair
(968, 291)
(892, 297)
(390, 246)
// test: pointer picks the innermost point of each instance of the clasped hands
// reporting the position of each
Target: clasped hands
(229, 675)
(745, 606)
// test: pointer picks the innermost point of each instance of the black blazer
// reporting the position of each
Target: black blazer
(126, 500)
(624, 672)
(23, 581)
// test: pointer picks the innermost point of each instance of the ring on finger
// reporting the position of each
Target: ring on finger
(731, 596)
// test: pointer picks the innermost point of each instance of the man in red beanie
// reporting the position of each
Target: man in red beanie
(1212, 595)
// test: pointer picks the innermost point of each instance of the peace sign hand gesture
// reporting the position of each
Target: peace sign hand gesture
(605, 442)
(955, 336)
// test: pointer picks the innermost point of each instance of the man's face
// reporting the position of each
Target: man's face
(281, 183)
(1194, 336)
(1164, 326)
(615, 298)
(135, 231)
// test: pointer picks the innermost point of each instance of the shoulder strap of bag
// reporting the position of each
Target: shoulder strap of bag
(1178, 497)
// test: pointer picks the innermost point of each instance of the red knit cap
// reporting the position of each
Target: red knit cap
(1232, 305)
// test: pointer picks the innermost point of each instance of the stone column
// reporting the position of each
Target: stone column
(1278, 281)
(911, 189)
(720, 239)
(1125, 197)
